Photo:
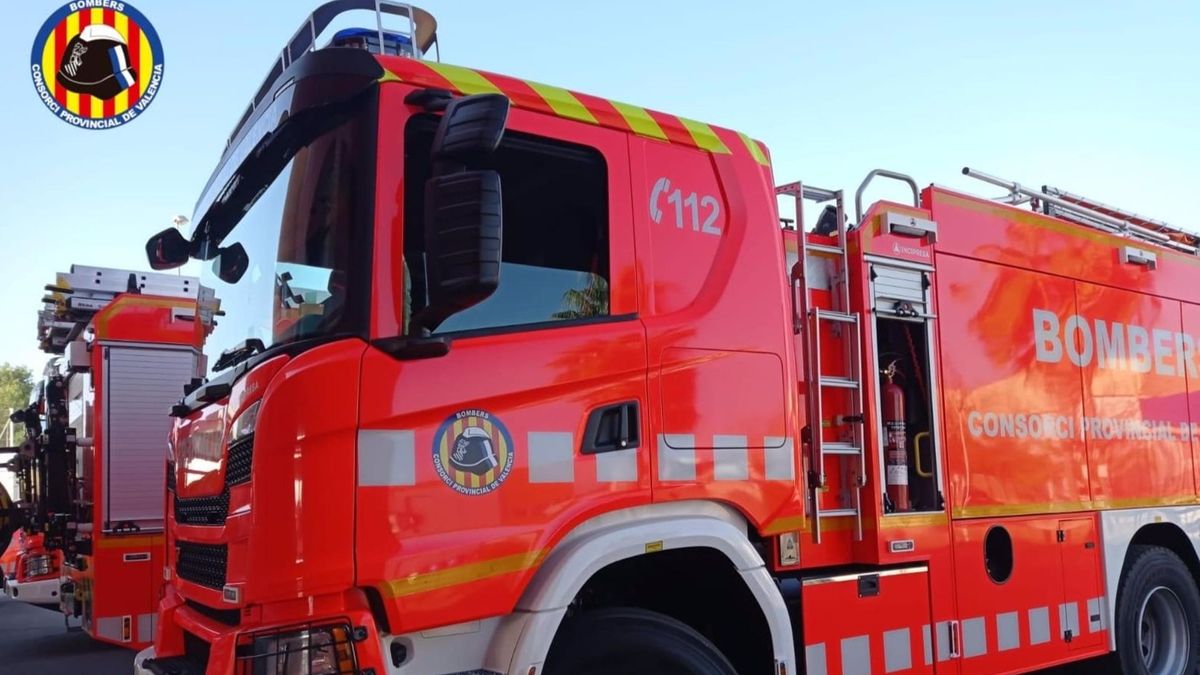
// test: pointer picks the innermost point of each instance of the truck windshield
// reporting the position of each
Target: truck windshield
(302, 232)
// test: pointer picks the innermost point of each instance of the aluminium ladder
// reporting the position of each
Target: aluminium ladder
(848, 328)
(1092, 213)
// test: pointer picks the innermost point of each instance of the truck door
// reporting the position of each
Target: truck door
(472, 464)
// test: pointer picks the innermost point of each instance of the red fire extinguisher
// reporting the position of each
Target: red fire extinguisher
(896, 441)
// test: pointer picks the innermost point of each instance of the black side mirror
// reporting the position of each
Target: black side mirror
(17, 416)
(463, 222)
(167, 250)
(231, 263)
(463, 233)
(471, 128)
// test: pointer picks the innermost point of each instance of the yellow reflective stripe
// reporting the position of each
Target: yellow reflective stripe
(563, 102)
(464, 79)
(705, 137)
(755, 151)
(639, 120)
(389, 76)
(431, 581)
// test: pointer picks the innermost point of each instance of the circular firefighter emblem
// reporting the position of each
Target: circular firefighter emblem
(97, 64)
(472, 452)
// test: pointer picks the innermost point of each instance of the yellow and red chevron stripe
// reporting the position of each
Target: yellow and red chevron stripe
(561, 102)
(140, 56)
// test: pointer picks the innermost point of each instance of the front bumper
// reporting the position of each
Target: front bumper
(192, 642)
(44, 592)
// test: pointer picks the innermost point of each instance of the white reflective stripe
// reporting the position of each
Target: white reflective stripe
(731, 459)
(675, 464)
(943, 640)
(386, 457)
(145, 627)
(1068, 617)
(1039, 625)
(780, 463)
(617, 466)
(856, 655)
(814, 659)
(897, 650)
(551, 457)
(927, 639)
(109, 627)
(1095, 610)
(1008, 631)
(974, 632)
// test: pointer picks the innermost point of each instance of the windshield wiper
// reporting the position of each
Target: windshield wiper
(238, 353)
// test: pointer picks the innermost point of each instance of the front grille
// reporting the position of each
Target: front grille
(202, 510)
(213, 510)
(237, 467)
(203, 564)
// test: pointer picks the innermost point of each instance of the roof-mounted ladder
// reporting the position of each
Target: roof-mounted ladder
(1091, 213)
(76, 296)
(848, 451)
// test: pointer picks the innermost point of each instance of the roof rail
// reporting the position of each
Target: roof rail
(1091, 213)
(422, 30)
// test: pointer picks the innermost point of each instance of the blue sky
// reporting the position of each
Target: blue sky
(1095, 97)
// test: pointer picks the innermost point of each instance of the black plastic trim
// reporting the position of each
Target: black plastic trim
(541, 325)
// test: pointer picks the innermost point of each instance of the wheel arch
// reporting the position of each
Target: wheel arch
(1173, 528)
(637, 535)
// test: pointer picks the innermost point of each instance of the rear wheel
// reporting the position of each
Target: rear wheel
(1158, 615)
(633, 641)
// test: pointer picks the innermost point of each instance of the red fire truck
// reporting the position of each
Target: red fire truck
(514, 379)
(90, 472)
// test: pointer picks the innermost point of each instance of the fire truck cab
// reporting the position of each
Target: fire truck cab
(507, 378)
(89, 473)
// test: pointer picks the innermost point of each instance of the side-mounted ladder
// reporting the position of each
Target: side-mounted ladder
(849, 450)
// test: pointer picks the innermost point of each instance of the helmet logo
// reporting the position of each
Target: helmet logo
(472, 452)
(97, 64)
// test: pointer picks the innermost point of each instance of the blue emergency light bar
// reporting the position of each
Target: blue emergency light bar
(394, 44)
(416, 42)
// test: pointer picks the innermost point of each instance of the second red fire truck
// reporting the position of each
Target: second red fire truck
(90, 472)
(508, 378)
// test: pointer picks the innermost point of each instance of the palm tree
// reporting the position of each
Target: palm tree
(589, 301)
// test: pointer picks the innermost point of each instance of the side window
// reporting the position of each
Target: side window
(555, 258)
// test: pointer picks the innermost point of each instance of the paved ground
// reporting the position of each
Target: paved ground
(33, 641)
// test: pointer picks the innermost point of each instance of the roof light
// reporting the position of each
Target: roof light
(394, 44)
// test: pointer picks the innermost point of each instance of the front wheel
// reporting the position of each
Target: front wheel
(1158, 615)
(632, 641)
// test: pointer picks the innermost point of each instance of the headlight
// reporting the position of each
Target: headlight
(244, 425)
(37, 565)
(327, 650)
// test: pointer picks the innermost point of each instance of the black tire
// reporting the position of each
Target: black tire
(632, 641)
(1158, 614)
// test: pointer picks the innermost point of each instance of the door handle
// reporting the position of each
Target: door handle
(611, 428)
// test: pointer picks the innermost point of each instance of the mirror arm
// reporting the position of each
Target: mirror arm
(413, 347)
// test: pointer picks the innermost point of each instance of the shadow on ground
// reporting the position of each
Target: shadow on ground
(34, 641)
